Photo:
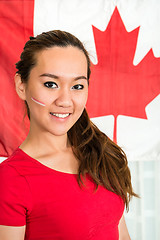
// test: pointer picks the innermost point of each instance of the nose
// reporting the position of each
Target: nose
(64, 98)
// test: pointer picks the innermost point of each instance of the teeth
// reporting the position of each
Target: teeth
(60, 115)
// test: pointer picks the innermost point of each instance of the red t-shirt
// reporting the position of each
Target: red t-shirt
(52, 205)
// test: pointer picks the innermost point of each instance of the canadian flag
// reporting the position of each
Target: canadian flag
(122, 38)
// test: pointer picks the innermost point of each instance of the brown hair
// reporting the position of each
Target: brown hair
(104, 160)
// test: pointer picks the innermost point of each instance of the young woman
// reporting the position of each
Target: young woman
(67, 180)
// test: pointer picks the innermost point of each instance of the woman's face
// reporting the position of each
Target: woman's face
(57, 89)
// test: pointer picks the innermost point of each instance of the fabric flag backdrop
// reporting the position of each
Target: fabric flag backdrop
(122, 38)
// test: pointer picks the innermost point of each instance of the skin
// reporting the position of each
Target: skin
(59, 80)
(123, 231)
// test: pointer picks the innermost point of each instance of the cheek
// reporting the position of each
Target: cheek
(85, 97)
(38, 102)
(81, 101)
(41, 98)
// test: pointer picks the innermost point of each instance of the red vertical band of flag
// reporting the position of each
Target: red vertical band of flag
(16, 25)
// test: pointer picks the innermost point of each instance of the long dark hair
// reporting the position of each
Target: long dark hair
(98, 155)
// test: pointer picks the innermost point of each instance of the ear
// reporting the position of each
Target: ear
(20, 87)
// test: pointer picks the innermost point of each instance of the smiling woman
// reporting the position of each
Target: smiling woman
(67, 180)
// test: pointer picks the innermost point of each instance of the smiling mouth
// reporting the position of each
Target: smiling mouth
(60, 115)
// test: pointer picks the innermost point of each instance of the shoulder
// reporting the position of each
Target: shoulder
(14, 187)
(17, 163)
(6, 167)
(15, 197)
(15, 157)
(10, 174)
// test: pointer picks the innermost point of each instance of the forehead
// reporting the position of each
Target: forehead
(67, 62)
(62, 61)
(56, 55)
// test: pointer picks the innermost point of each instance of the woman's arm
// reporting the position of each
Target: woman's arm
(12, 233)
(123, 231)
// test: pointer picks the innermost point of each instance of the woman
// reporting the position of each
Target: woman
(67, 180)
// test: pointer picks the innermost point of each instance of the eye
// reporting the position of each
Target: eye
(78, 87)
(50, 84)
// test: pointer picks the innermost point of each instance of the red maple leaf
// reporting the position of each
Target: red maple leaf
(117, 87)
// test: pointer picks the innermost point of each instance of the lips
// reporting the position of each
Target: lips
(60, 115)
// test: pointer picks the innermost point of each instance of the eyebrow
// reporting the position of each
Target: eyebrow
(57, 77)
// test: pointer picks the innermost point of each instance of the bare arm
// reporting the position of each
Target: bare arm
(123, 231)
(12, 233)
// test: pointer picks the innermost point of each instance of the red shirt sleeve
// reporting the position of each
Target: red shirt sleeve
(15, 197)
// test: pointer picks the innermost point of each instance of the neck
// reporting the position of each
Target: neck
(45, 142)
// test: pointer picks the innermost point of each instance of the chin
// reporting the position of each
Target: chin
(59, 132)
